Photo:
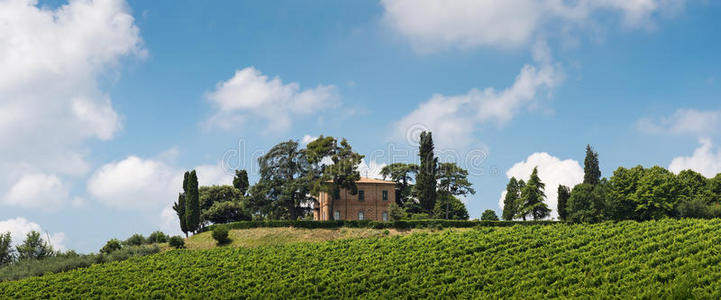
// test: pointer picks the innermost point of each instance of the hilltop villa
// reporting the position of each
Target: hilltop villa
(371, 202)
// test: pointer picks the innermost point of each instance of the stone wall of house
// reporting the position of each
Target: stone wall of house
(349, 207)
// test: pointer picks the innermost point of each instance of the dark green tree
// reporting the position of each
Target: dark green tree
(34, 247)
(240, 181)
(512, 199)
(489, 215)
(587, 203)
(402, 175)
(425, 188)
(7, 254)
(563, 194)
(283, 186)
(226, 212)
(179, 208)
(453, 180)
(532, 198)
(111, 246)
(334, 166)
(210, 195)
(192, 203)
(591, 169)
(656, 194)
(622, 190)
(449, 207)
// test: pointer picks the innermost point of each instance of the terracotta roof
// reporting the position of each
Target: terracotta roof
(373, 180)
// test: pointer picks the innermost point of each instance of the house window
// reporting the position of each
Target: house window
(336, 194)
(360, 215)
(336, 215)
(385, 195)
(361, 195)
(385, 216)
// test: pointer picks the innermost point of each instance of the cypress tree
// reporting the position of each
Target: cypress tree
(532, 197)
(591, 170)
(179, 208)
(510, 202)
(192, 202)
(564, 193)
(426, 179)
(240, 181)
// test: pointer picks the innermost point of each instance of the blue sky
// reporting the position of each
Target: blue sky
(103, 104)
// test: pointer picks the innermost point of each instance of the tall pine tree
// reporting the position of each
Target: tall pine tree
(564, 193)
(240, 181)
(192, 202)
(532, 197)
(426, 179)
(179, 208)
(591, 170)
(510, 202)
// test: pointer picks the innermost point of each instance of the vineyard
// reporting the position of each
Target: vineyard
(669, 258)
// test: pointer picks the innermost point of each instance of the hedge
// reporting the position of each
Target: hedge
(404, 224)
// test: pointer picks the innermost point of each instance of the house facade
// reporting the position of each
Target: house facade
(370, 203)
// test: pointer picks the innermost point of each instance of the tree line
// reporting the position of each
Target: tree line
(636, 193)
(290, 176)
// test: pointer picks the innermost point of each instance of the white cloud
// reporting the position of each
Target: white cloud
(552, 171)
(371, 170)
(51, 62)
(42, 191)
(308, 138)
(249, 93)
(704, 160)
(453, 119)
(19, 227)
(683, 121)
(433, 25)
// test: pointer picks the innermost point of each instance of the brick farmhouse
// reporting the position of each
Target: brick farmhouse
(370, 203)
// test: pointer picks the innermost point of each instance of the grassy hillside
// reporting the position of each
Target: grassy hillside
(674, 259)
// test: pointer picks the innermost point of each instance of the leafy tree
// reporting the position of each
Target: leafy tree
(34, 247)
(240, 181)
(563, 194)
(489, 215)
(212, 195)
(226, 212)
(7, 255)
(401, 174)
(426, 180)
(587, 203)
(591, 170)
(111, 246)
(135, 240)
(283, 190)
(176, 242)
(512, 199)
(179, 208)
(714, 187)
(334, 166)
(192, 203)
(623, 185)
(396, 212)
(449, 207)
(158, 237)
(656, 194)
(454, 180)
(532, 198)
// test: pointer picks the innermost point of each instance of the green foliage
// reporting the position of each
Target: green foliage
(611, 260)
(192, 203)
(453, 179)
(591, 169)
(587, 203)
(449, 207)
(489, 215)
(425, 189)
(135, 240)
(226, 212)
(157, 237)
(176, 242)
(421, 220)
(111, 246)
(396, 212)
(564, 193)
(240, 181)
(34, 247)
(7, 253)
(401, 174)
(179, 208)
(512, 199)
(220, 235)
(283, 190)
(532, 198)
(210, 195)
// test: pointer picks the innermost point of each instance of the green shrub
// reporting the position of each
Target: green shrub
(157, 237)
(220, 234)
(111, 246)
(176, 242)
(134, 240)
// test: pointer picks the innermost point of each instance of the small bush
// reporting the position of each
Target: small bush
(158, 237)
(111, 246)
(176, 242)
(220, 234)
(134, 240)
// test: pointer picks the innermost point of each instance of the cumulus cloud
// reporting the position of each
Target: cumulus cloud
(683, 121)
(704, 160)
(433, 25)
(52, 59)
(454, 118)
(552, 171)
(371, 169)
(37, 190)
(19, 227)
(249, 93)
